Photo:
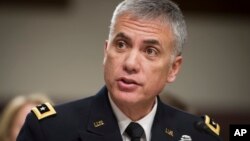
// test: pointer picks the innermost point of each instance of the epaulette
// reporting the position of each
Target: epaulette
(209, 125)
(44, 110)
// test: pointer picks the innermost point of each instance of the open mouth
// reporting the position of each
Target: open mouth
(128, 81)
(126, 84)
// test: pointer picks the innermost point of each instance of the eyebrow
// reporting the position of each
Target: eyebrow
(148, 41)
(123, 36)
(152, 42)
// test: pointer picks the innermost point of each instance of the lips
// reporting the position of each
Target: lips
(128, 81)
(126, 84)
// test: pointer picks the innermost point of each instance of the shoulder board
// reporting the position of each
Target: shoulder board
(209, 125)
(43, 110)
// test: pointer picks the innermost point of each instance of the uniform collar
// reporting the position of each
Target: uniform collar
(123, 121)
(102, 123)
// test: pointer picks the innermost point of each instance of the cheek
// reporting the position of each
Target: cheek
(114, 59)
(156, 75)
(111, 65)
(156, 82)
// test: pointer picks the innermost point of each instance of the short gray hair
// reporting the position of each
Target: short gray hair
(166, 10)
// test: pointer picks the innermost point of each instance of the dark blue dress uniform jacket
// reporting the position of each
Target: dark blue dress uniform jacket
(79, 121)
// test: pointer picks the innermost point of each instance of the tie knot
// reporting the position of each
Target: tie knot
(134, 131)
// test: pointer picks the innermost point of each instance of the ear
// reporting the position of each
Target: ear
(105, 51)
(174, 69)
(106, 45)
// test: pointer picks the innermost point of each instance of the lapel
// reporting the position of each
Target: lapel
(163, 128)
(102, 124)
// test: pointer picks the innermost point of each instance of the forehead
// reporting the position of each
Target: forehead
(152, 28)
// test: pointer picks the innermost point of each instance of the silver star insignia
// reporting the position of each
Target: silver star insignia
(42, 108)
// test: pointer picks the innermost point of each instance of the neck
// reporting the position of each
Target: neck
(136, 111)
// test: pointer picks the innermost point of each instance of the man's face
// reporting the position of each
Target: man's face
(137, 60)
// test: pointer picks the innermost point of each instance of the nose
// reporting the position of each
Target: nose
(132, 62)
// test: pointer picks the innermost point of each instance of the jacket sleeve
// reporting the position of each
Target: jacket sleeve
(31, 130)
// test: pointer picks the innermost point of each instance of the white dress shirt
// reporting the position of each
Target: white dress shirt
(123, 121)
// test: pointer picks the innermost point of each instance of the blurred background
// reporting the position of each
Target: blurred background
(56, 47)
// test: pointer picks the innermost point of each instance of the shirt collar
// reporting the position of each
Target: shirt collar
(123, 121)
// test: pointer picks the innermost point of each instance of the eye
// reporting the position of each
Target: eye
(151, 51)
(121, 44)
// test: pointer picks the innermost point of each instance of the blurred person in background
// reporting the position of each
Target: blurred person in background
(15, 112)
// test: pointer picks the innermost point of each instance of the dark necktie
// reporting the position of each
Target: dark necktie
(134, 131)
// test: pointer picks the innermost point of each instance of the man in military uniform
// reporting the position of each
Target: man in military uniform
(142, 55)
